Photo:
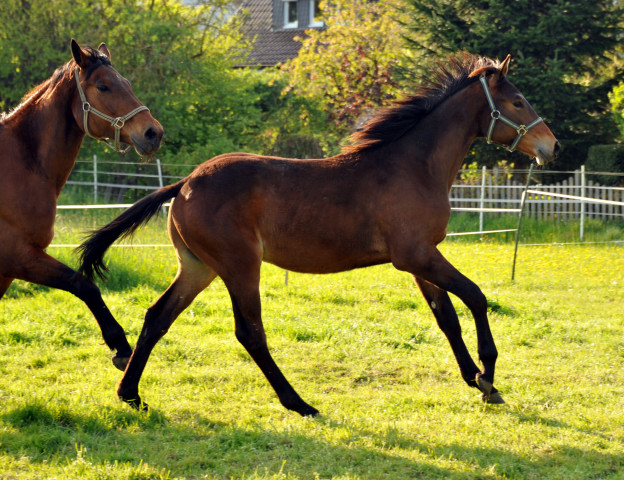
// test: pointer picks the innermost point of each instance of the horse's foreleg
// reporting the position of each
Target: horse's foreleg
(42, 269)
(446, 316)
(429, 265)
(158, 319)
(250, 333)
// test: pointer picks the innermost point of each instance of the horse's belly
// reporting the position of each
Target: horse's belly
(325, 254)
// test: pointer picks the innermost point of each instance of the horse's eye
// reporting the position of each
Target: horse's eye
(103, 88)
(518, 104)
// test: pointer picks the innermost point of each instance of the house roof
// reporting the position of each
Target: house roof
(271, 48)
(259, 15)
(273, 44)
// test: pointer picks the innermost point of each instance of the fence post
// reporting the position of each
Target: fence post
(95, 180)
(160, 182)
(482, 202)
(582, 202)
(522, 204)
(160, 176)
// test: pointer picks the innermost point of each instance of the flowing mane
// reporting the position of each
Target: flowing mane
(448, 78)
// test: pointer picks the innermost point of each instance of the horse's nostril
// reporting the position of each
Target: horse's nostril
(557, 149)
(151, 133)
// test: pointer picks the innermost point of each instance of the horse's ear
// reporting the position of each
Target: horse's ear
(504, 68)
(78, 54)
(104, 49)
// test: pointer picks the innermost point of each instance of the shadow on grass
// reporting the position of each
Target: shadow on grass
(117, 436)
(122, 276)
(24, 289)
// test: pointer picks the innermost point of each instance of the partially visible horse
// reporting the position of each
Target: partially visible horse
(39, 143)
(385, 199)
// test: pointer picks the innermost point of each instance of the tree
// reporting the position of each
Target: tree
(616, 96)
(617, 106)
(560, 51)
(349, 66)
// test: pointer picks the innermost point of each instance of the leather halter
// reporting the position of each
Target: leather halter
(117, 122)
(521, 130)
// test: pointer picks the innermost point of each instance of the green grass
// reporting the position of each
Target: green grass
(534, 230)
(360, 346)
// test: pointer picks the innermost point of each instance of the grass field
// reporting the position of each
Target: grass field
(361, 346)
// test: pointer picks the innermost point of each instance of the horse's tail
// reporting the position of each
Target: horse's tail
(92, 250)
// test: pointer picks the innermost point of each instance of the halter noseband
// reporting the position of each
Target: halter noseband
(497, 115)
(117, 122)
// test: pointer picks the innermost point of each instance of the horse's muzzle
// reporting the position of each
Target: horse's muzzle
(149, 142)
(547, 154)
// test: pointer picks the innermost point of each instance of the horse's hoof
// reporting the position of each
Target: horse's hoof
(120, 362)
(493, 398)
(489, 393)
(134, 401)
(302, 408)
(308, 411)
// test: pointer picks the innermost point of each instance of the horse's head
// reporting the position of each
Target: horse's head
(510, 119)
(108, 109)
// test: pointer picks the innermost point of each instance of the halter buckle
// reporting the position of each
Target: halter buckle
(86, 107)
(495, 114)
(522, 130)
(118, 123)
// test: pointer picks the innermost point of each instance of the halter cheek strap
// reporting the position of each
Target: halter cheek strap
(521, 130)
(117, 122)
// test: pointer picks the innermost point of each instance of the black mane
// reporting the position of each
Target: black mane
(390, 123)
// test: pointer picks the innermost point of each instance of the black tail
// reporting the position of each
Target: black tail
(92, 250)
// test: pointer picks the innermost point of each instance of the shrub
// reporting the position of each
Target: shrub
(606, 158)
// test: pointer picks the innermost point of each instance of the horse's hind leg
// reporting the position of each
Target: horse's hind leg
(45, 270)
(245, 296)
(193, 276)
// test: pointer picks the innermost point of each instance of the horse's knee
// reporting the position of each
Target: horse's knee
(250, 338)
(85, 289)
(476, 300)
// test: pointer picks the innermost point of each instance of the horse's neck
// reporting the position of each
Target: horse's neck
(448, 132)
(54, 138)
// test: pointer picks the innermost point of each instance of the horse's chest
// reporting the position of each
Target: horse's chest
(28, 213)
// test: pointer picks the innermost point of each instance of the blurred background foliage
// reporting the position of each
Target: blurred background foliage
(183, 63)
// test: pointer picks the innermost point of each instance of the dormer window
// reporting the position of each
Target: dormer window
(316, 19)
(290, 14)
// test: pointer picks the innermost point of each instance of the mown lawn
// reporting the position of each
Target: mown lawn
(360, 346)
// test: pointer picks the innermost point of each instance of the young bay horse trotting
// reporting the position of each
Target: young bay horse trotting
(39, 142)
(385, 199)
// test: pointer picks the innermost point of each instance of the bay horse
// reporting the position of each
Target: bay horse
(39, 143)
(383, 199)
